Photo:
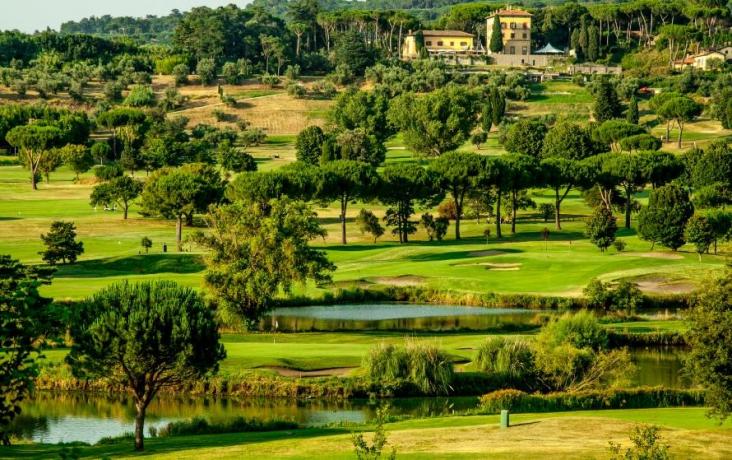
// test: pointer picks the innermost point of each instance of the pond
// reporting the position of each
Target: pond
(659, 366)
(52, 417)
(402, 317)
(61, 416)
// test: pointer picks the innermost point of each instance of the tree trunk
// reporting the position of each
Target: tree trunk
(458, 216)
(557, 206)
(513, 212)
(344, 204)
(179, 232)
(140, 426)
(125, 208)
(668, 131)
(681, 132)
(498, 215)
(33, 180)
(628, 198)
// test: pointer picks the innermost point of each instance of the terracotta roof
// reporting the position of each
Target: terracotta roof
(445, 33)
(514, 13)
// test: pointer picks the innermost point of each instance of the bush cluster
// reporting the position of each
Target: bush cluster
(423, 365)
(636, 398)
(199, 425)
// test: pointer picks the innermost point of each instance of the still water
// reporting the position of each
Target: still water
(401, 317)
(52, 417)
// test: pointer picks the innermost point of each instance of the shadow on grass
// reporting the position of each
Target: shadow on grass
(432, 257)
(160, 446)
(150, 264)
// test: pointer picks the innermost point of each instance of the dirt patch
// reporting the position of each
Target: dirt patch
(490, 252)
(405, 280)
(331, 372)
(655, 255)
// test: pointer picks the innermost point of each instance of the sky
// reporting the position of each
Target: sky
(32, 15)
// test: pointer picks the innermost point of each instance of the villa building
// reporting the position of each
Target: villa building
(439, 42)
(515, 28)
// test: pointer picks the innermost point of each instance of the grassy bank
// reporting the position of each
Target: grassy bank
(582, 434)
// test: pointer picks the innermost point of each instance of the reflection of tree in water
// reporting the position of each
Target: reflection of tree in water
(429, 318)
(660, 366)
(72, 413)
(24, 426)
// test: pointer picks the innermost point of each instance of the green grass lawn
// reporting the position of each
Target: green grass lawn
(520, 263)
(309, 351)
(583, 434)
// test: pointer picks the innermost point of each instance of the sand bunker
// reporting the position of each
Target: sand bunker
(655, 255)
(287, 372)
(661, 285)
(405, 280)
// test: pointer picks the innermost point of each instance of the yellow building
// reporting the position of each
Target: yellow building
(438, 42)
(516, 30)
(703, 61)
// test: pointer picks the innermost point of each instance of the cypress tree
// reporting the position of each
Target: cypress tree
(607, 105)
(593, 43)
(496, 42)
(575, 44)
(486, 116)
(498, 105)
(583, 38)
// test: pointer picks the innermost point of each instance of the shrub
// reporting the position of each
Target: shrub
(296, 90)
(368, 223)
(547, 210)
(269, 80)
(373, 451)
(292, 72)
(199, 425)
(141, 96)
(478, 139)
(112, 91)
(511, 360)
(109, 172)
(634, 398)
(627, 297)
(581, 330)
(230, 72)
(619, 245)
(646, 445)
(386, 362)
(180, 74)
(423, 365)
(206, 70)
(436, 228)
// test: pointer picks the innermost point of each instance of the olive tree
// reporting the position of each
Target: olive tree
(145, 337)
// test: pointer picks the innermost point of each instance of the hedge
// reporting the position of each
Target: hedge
(634, 398)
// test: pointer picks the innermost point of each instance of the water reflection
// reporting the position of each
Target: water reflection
(660, 366)
(53, 417)
(401, 317)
